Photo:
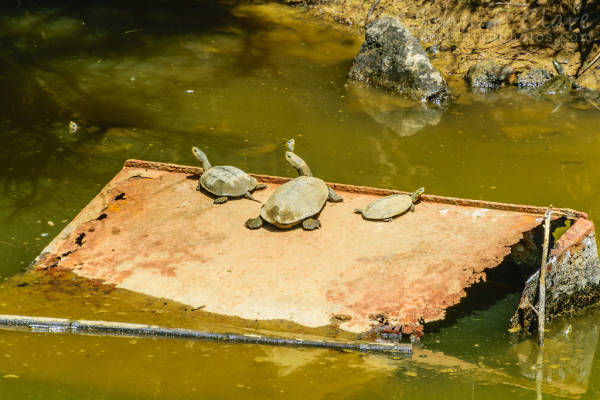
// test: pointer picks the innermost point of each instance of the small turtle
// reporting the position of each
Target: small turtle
(386, 208)
(80, 124)
(559, 84)
(297, 201)
(225, 181)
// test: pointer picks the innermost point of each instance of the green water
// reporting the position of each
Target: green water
(237, 81)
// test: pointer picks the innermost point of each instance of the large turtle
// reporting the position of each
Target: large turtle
(297, 201)
(559, 84)
(303, 170)
(386, 208)
(225, 181)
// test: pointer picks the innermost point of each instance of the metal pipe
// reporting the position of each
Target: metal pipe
(60, 325)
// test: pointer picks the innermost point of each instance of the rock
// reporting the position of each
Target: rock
(572, 281)
(487, 75)
(534, 78)
(391, 58)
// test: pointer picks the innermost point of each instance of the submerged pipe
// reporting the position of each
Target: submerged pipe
(109, 328)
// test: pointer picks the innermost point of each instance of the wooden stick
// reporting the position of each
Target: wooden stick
(541, 308)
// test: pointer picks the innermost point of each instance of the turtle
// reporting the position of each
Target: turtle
(559, 84)
(388, 207)
(297, 201)
(303, 170)
(80, 124)
(225, 181)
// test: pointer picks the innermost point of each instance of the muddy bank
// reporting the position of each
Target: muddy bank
(459, 34)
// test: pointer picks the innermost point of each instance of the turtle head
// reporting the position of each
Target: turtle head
(202, 157)
(73, 127)
(417, 194)
(557, 67)
(298, 163)
(291, 144)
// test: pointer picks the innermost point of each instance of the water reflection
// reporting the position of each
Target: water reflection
(187, 369)
(569, 350)
(475, 353)
(402, 116)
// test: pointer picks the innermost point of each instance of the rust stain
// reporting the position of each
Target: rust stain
(573, 236)
(165, 239)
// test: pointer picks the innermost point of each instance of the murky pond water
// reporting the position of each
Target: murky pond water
(237, 81)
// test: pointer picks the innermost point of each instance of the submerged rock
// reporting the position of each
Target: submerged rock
(487, 75)
(391, 58)
(534, 78)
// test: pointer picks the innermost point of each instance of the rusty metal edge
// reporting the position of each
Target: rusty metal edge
(572, 237)
(64, 325)
(569, 213)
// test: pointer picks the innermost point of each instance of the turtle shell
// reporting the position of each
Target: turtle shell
(557, 85)
(294, 201)
(387, 207)
(227, 181)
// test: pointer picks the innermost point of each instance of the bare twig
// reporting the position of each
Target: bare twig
(590, 64)
(527, 304)
(371, 11)
(510, 4)
(541, 309)
(592, 103)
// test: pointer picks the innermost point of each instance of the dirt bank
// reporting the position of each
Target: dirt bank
(524, 34)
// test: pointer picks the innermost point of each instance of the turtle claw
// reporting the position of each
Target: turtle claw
(254, 223)
(221, 200)
(311, 224)
(357, 211)
(387, 220)
(260, 186)
(249, 197)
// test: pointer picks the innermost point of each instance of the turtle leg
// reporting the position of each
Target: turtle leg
(357, 211)
(221, 200)
(249, 197)
(310, 224)
(412, 208)
(387, 220)
(254, 223)
(199, 187)
(333, 196)
(260, 186)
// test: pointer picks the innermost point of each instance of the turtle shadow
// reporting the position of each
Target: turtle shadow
(391, 219)
(273, 228)
(193, 177)
(213, 197)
